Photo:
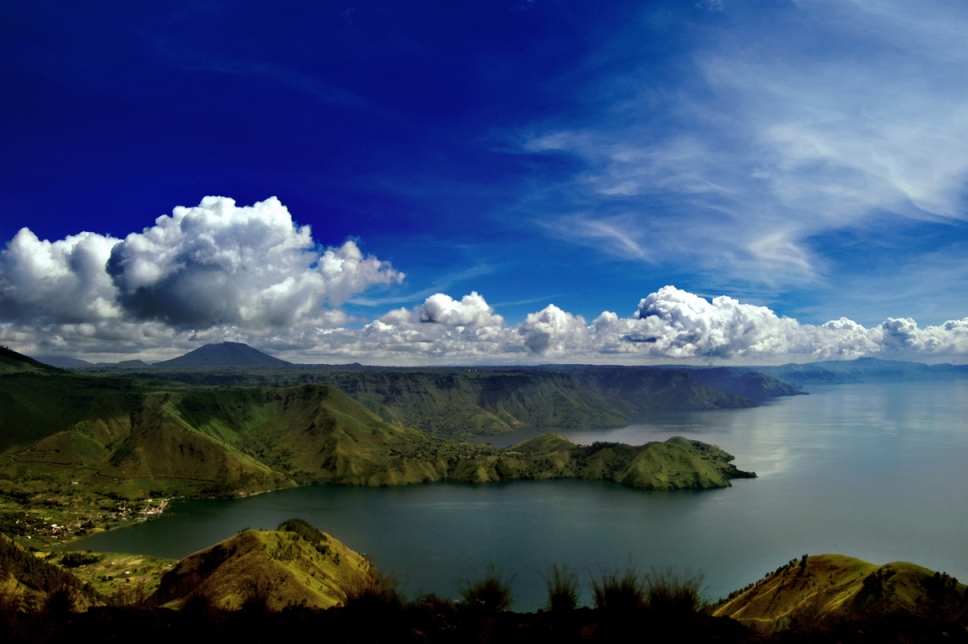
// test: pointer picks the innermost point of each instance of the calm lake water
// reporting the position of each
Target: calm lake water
(873, 471)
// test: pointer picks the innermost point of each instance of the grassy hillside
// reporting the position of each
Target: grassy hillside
(457, 402)
(112, 434)
(13, 362)
(838, 586)
(29, 583)
(637, 390)
(34, 406)
(128, 435)
(444, 402)
(295, 565)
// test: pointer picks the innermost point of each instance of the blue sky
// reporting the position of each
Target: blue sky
(554, 180)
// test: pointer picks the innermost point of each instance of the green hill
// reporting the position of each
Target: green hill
(478, 402)
(132, 435)
(13, 362)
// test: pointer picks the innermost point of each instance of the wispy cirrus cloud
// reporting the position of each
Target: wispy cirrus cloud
(614, 234)
(835, 116)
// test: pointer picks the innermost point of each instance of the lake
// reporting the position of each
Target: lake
(872, 471)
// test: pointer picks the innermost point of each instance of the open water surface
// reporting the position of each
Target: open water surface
(872, 471)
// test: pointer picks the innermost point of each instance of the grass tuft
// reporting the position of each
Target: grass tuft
(673, 595)
(563, 587)
(619, 592)
(489, 594)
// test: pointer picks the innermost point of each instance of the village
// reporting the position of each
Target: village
(42, 520)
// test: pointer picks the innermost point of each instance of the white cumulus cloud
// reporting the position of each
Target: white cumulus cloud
(219, 272)
(440, 327)
(681, 324)
(214, 272)
(554, 332)
(470, 310)
(61, 281)
(222, 264)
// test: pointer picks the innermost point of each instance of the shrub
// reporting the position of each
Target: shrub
(307, 532)
(619, 593)
(303, 529)
(128, 596)
(198, 606)
(369, 590)
(256, 603)
(77, 559)
(11, 603)
(489, 594)
(60, 602)
(562, 587)
(669, 594)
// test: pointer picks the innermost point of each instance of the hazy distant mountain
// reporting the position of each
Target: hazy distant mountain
(741, 381)
(225, 354)
(132, 364)
(835, 372)
(63, 362)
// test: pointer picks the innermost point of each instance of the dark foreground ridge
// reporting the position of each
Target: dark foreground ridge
(432, 621)
(298, 582)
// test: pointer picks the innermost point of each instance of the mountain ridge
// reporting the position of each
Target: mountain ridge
(223, 354)
(128, 434)
(453, 401)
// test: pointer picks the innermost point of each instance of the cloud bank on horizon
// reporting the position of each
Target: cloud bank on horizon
(220, 272)
(551, 180)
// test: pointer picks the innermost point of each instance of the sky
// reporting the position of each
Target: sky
(489, 181)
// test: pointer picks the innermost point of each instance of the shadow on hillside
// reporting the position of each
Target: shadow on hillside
(628, 608)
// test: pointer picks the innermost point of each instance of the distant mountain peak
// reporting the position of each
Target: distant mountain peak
(224, 354)
(62, 362)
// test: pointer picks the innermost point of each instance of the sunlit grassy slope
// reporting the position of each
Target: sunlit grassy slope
(295, 565)
(837, 585)
(274, 568)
